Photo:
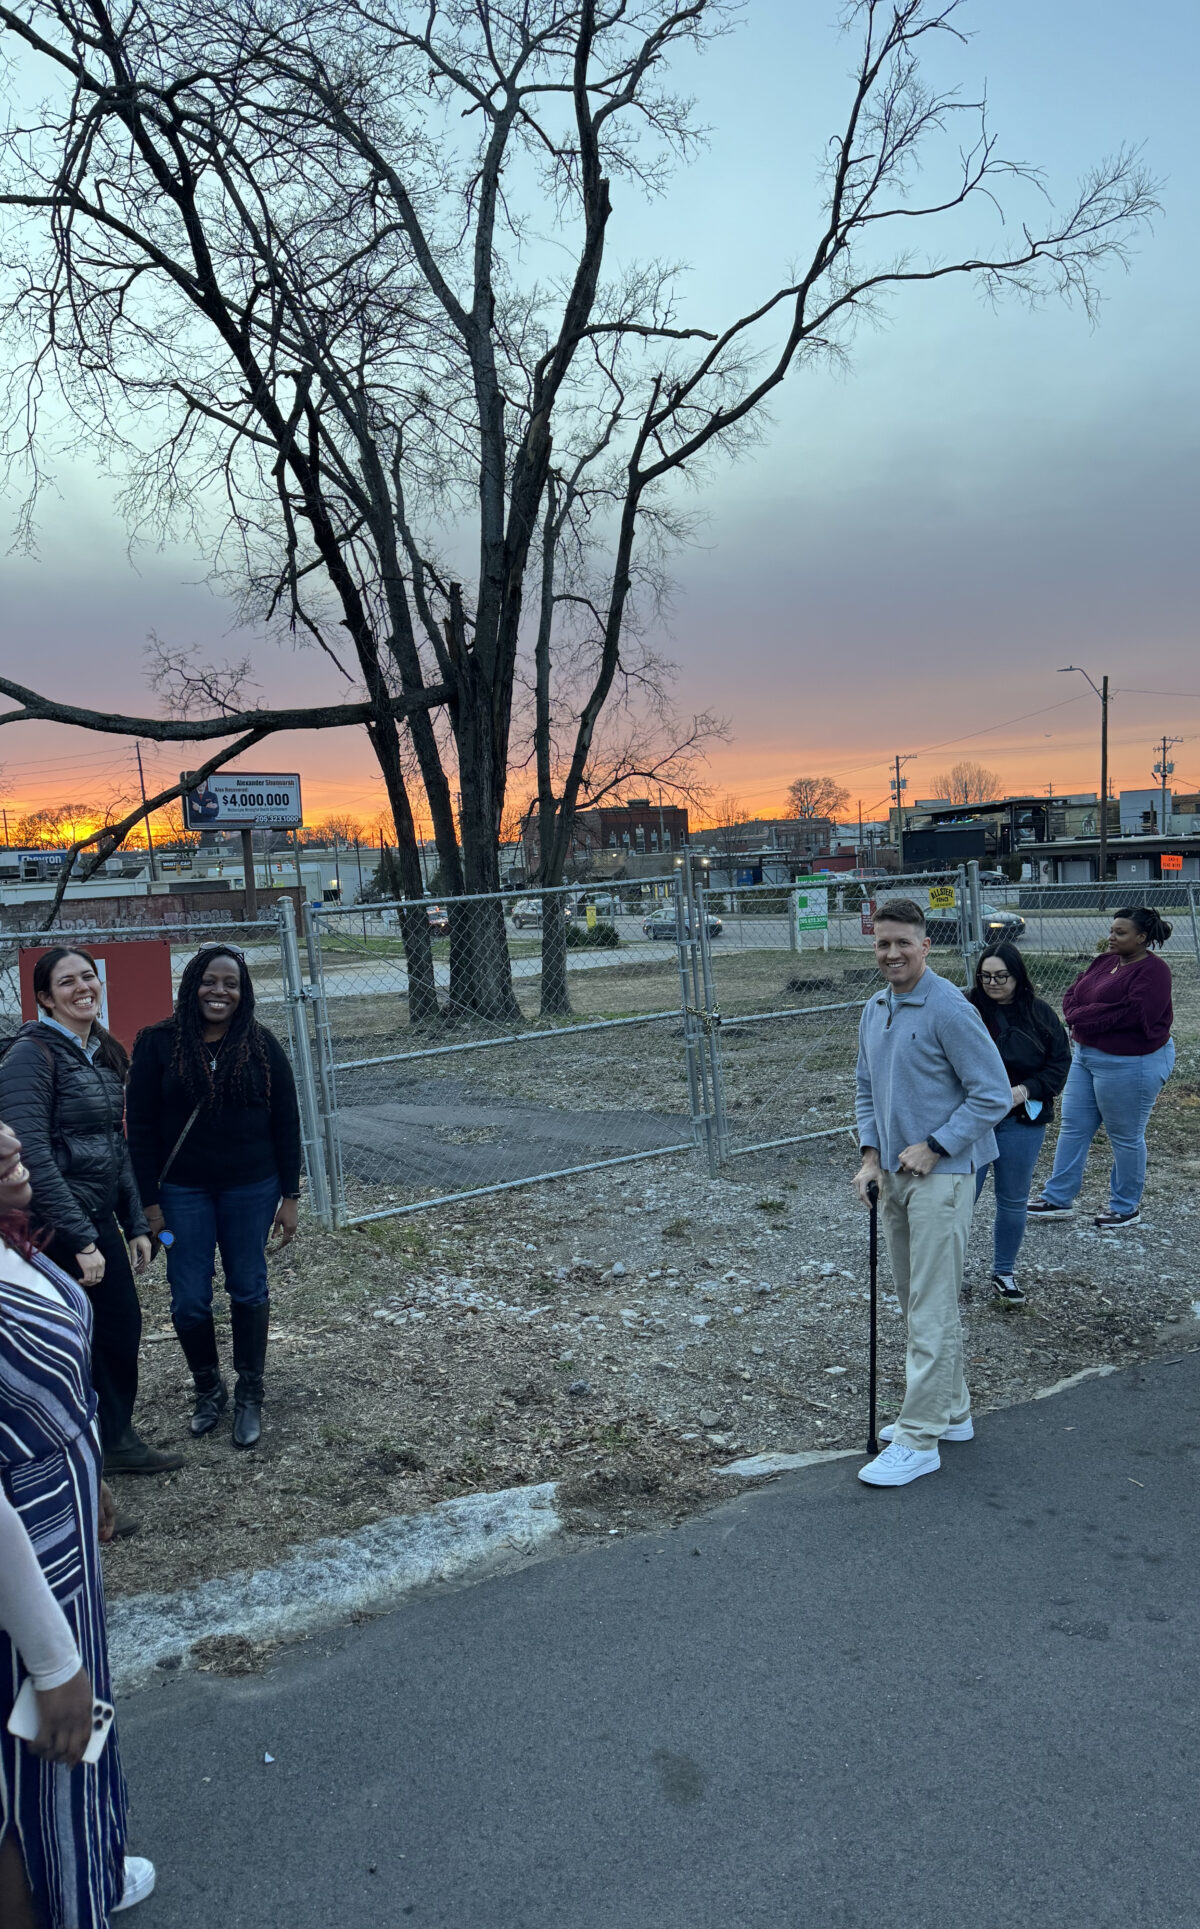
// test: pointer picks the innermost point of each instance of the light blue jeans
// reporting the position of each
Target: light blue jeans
(1118, 1094)
(1012, 1174)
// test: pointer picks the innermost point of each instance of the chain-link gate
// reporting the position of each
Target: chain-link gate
(472, 1047)
(477, 1046)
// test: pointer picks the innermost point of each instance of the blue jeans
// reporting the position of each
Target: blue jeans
(1118, 1094)
(1012, 1174)
(238, 1220)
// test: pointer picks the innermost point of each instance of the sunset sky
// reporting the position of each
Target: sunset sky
(919, 543)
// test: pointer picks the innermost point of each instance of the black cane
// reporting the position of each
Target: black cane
(873, 1196)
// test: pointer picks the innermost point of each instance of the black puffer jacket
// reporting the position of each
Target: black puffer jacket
(68, 1115)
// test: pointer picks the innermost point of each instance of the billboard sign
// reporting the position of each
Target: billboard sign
(243, 800)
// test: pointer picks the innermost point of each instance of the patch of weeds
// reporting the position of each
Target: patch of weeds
(483, 1422)
(402, 1239)
(677, 1228)
(615, 1439)
(394, 1457)
(331, 1435)
(771, 1205)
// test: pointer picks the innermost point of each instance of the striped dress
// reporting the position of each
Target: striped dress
(70, 1822)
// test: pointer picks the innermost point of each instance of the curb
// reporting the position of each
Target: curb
(373, 1570)
(325, 1583)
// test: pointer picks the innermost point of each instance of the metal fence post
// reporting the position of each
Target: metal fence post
(965, 919)
(306, 1086)
(712, 1027)
(327, 1096)
(1195, 926)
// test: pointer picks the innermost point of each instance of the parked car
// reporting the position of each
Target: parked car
(529, 912)
(994, 878)
(996, 923)
(439, 922)
(662, 925)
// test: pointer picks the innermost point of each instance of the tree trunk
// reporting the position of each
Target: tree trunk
(556, 998)
(480, 967)
(414, 924)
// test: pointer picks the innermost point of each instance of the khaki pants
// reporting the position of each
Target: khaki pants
(925, 1228)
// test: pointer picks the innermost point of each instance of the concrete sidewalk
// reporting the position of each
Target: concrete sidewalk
(969, 1704)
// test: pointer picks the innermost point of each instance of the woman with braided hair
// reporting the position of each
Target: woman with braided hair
(214, 1132)
(1119, 1014)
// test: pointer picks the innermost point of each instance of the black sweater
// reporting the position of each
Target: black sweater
(66, 1111)
(1034, 1047)
(230, 1144)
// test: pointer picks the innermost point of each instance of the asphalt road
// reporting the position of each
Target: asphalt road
(970, 1702)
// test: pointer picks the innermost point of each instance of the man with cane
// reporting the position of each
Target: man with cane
(930, 1088)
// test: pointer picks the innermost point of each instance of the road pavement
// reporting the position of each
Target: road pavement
(968, 1702)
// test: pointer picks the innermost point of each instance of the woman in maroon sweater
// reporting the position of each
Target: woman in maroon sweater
(1119, 1014)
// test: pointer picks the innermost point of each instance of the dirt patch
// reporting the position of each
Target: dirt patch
(625, 1332)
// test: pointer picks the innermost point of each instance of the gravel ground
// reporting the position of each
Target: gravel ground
(627, 1332)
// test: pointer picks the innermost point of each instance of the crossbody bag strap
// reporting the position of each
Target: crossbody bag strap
(179, 1141)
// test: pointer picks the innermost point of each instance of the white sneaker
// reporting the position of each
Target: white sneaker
(958, 1430)
(898, 1464)
(139, 1882)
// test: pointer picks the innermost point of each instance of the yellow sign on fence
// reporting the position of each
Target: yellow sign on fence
(941, 897)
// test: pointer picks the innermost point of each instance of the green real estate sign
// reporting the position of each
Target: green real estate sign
(812, 904)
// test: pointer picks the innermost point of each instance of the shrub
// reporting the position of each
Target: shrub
(600, 937)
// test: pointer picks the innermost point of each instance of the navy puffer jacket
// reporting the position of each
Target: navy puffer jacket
(69, 1116)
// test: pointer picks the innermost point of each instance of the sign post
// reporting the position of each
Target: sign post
(246, 801)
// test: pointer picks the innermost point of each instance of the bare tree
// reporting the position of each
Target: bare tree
(306, 246)
(967, 783)
(811, 797)
(342, 825)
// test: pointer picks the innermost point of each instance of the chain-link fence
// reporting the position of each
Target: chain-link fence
(268, 945)
(791, 967)
(475, 1046)
(470, 1047)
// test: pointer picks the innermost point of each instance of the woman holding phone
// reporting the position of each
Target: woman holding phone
(214, 1130)
(62, 1836)
(1030, 1038)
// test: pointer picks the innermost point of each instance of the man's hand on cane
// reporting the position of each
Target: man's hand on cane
(868, 1174)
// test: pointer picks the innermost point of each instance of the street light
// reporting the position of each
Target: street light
(1066, 670)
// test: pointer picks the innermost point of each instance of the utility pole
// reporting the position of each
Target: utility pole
(899, 786)
(6, 846)
(1102, 693)
(860, 835)
(1163, 770)
(149, 838)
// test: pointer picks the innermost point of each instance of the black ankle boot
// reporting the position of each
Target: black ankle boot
(250, 1325)
(199, 1343)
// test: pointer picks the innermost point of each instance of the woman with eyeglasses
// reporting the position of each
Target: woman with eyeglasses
(1120, 1015)
(214, 1130)
(1031, 1040)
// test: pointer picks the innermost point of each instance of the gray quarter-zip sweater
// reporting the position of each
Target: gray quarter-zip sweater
(927, 1069)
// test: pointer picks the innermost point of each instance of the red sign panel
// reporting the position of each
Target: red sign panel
(136, 981)
(1171, 861)
(868, 917)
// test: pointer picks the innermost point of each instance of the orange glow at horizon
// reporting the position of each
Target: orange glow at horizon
(739, 775)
